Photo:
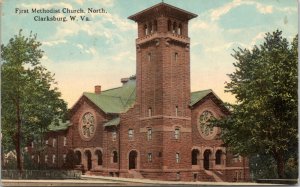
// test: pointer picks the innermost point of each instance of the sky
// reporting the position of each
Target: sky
(101, 51)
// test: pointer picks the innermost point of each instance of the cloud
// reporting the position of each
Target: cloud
(287, 9)
(91, 51)
(106, 3)
(200, 24)
(79, 46)
(218, 12)
(79, 1)
(47, 5)
(54, 42)
(264, 9)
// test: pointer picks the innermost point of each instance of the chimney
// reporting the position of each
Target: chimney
(97, 89)
(124, 80)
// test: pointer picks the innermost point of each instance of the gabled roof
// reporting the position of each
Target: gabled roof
(198, 95)
(116, 100)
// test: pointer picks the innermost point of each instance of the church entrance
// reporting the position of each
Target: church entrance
(88, 155)
(132, 160)
(207, 154)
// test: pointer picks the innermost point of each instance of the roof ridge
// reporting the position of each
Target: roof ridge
(133, 91)
(103, 95)
(202, 90)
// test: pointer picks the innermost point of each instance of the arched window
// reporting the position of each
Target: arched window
(99, 157)
(115, 157)
(150, 28)
(155, 26)
(218, 157)
(176, 111)
(169, 25)
(145, 29)
(174, 27)
(179, 30)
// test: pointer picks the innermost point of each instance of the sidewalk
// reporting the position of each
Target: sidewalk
(87, 180)
(157, 182)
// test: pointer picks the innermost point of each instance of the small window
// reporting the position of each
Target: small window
(46, 142)
(53, 159)
(130, 134)
(46, 158)
(145, 29)
(176, 111)
(38, 158)
(149, 111)
(149, 134)
(65, 141)
(32, 144)
(149, 57)
(179, 30)
(174, 27)
(176, 57)
(64, 158)
(114, 135)
(32, 157)
(54, 142)
(177, 133)
(150, 28)
(177, 158)
(115, 157)
(149, 157)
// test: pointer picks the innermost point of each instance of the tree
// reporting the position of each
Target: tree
(265, 118)
(30, 100)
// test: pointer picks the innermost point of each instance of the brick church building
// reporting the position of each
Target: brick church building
(152, 126)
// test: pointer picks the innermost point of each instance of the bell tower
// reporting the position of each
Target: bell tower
(163, 85)
(163, 60)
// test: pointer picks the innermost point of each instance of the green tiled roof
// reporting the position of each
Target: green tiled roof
(59, 126)
(118, 100)
(197, 96)
(115, 100)
(113, 122)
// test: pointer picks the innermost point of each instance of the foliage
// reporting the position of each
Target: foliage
(30, 100)
(265, 118)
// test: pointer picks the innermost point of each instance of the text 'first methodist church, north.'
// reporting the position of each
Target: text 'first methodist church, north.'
(152, 126)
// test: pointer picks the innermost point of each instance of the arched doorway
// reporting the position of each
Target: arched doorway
(88, 159)
(77, 157)
(195, 155)
(218, 157)
(99, 157)
(133, 160)
(206, 155)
